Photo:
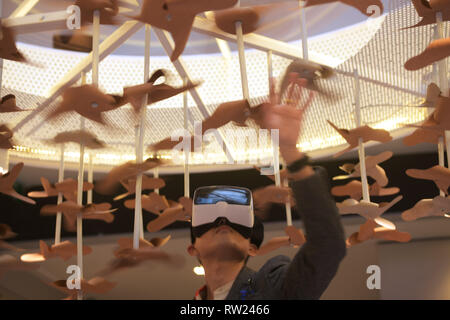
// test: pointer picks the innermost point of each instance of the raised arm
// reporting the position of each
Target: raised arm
(315, 264)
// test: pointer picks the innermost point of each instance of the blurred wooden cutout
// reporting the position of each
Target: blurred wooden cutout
(153, 203)
(436, 50)
(353, 189)
(438, 206)
(365, 132)
(177, 17)
(155, 92)
(6, 232)
(7, 181)
(108, 11)
(148, 183)
(427, 9)
(8, 49)
(364, 6)
(368, 210)
(127, 243)
(369, 231)
(8, 104)
(124, 172)
(88, 139)
(5, 137)
(130, 258)
(86, 100)
(251, 18)
(70, 209)
(235, 111)
(68, 188)
(73, 41)
(428, 132)
(64, 250)
(295, 238)
(177, 212)
(309, 71)
(373, 170)
(96, 285)
(438, 174)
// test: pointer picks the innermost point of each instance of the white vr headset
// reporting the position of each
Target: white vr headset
(217, 205)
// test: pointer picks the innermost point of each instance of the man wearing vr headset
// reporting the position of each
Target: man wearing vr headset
(225, 233)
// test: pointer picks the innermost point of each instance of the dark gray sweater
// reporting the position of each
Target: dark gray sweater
(317, 261)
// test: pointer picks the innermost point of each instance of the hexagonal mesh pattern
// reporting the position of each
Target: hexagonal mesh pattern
(376, 49)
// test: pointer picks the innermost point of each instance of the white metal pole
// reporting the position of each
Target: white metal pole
(60, 196)
(186, 150)
(156, 175)
(90, 178)
(276, 151)
(361, 151)
(138, 224)
(303, 31)
(80, 201)
(241, 50)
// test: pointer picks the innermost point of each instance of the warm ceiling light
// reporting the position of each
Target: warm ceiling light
(199, 271)
(32, 257)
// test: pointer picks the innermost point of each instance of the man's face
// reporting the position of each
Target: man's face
(222, 243)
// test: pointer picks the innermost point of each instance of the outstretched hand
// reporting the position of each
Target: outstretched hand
(285, 117)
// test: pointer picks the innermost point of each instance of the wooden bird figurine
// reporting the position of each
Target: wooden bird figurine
(438, 174)
(153, 203)
(8, 104)
(88, 139)
(181, 211)
(8, 49)
(353, 189)
(428, 132)
(436, 50)
(70, 209)
(427, 9)
(311, 72)
(7, 180)
(373, 170)
(235, 111)
(68, 188)
(96, 285)
(124, 172)
(438, 206)
(177, 17)
(155, 92)
(148, 183)
(7, 233)
(130, 258)
(368, 210)
(108, 10)
(365, 132)
(362, 5)
(86, 100)
(64, 250)
(295, 238)
(5, 137)
(369, 230)
(127, 243)
(11, 263)
(263, 197)
(251, 18)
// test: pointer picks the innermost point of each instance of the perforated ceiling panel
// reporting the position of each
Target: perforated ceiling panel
(377, 49)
